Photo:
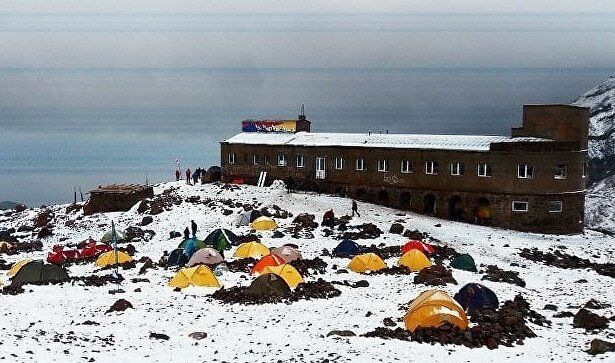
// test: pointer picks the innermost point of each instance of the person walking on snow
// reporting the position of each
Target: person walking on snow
(188, 173)
(355, 208)
(186, 233)
(177, 175)
(194, 228)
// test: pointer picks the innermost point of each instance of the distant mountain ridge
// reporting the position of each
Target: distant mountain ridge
(7, 204)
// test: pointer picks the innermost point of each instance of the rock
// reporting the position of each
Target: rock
(198, 335)
(388, 322)
(45, 232)
(120, 305)
(563, 314)
(277, 234)
(147, 220)
(20, 207)
(550, 307)
(361, 283)
(396, 228)
(227, 212)
(437, 225)
(589, 321)
(341, 333)
(43, 218)
(599, 346)
(25, 228)
(158, 336)
(595, 305)
(435, 275)
(496, 274)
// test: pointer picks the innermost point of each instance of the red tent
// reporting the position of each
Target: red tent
(56, 258)
(92, 249)
(418, 245)
(269, 260)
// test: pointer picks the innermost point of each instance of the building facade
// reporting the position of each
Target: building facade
(533, 180)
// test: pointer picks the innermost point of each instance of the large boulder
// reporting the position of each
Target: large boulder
(396, 228)
(589, 321)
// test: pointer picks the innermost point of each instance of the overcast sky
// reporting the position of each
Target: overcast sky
(313, 6)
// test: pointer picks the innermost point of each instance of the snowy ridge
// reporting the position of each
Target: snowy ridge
(295, 332)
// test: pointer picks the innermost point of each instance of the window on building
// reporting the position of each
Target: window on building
(555, 206)
(339, 163)
(231, 158)
(457, 168)
(484, 170)
(525, 171)
(281, 160)
(255, 159)
(300, 161)
(360, 164)
(383, 165)
(266, 159)
(560, 171)
(406, 166)
(431, 167)
(520, 206)
(585, 169)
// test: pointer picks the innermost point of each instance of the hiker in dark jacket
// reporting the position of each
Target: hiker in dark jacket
(188, 174)
(177, 175)
(328, 218)
(194, 228)
(195, 177)
(355, 208)
(186, 233)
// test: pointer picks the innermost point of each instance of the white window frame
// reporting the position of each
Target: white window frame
(360, 167)
(555, 176)
(558, 203)
(526, 171)
(383, 165)
(231, 158)
(339, 163)
(484, 174)
(431, 167)
(406, 166)
(300, 161)
(282, 160)
(459, 165)
(254, 159)
(524, 210)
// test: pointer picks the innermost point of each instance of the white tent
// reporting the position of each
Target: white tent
(243, 219)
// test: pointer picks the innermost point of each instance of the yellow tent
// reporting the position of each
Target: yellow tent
(287, 272)
(200, 275)
(251, 249)
(108, 258)
(433, 308)
(415, 260)
(17, 266)
(264, 224)
(367, 262)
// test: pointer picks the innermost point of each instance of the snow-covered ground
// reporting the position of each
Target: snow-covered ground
(45, 323)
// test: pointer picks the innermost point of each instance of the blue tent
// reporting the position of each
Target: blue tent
(476, 296)
(176, 257)
(347, 248)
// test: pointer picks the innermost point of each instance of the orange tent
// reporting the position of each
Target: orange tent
(433, 308)
(269, 260)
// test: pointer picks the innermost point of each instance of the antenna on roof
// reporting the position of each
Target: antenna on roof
(302, 112)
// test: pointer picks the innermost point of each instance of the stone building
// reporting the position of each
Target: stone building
(533, 180)
(116, 197)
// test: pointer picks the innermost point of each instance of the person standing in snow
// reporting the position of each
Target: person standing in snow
(188, 174)
(177, 174)
(186, 233)
(355, 208)
(195, 176)
(194, 227)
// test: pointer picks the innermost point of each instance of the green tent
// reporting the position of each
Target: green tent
(39, 273)
(221, 239)
(267, 285)
(464, 262)
(106, 238)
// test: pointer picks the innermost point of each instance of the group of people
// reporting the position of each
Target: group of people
(328, 219)
(199, 173)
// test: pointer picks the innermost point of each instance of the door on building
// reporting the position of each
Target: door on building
(321, 167)
(455, 210)
(429, 204)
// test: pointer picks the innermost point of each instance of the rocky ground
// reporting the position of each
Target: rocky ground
(556, 292)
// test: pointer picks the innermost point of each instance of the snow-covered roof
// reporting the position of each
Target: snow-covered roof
(400, 141)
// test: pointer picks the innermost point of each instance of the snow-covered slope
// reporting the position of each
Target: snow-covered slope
(601, 101)
(600, 201)
(46, 323)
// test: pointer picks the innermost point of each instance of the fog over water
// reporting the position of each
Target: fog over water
(87, 99)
